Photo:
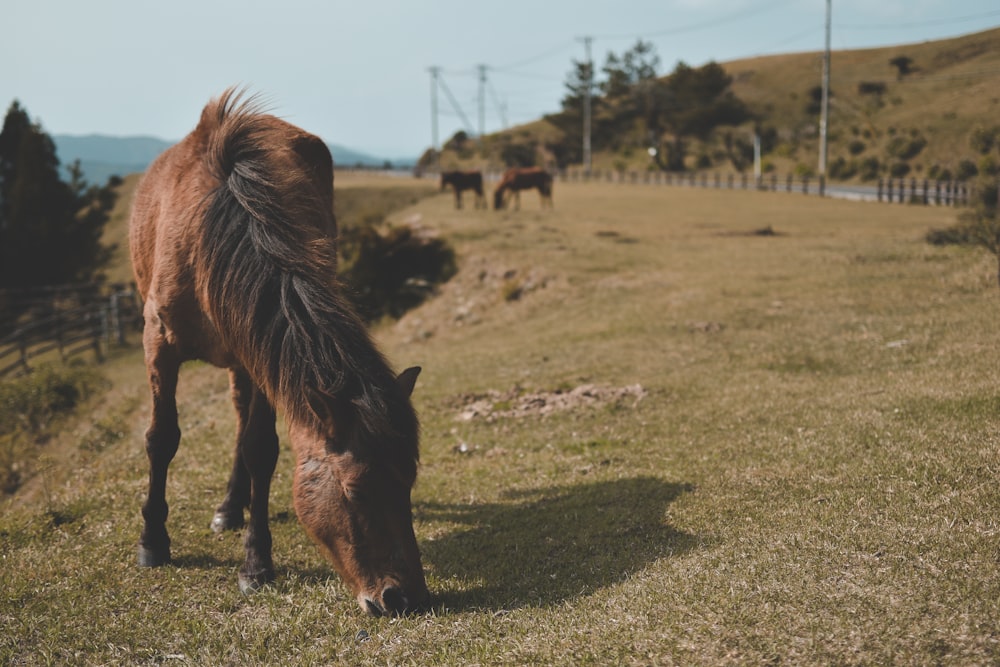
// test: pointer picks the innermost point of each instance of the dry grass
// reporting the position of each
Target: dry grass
(809, 479)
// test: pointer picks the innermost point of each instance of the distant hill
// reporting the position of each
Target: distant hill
(883, 122)
(102, 156)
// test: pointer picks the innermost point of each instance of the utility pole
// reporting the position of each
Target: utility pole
(435, 71)
(482, 100)
(586, 105)
(825, 109)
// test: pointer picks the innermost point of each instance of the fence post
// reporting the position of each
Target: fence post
(822, 184)
(805, 184)
(888, 190)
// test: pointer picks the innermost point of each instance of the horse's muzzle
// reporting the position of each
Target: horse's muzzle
(394, 602)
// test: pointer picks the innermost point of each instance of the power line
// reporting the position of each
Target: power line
(562, 48)
(916, 24)
(699, 26)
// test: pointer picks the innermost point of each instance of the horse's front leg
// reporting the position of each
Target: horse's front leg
(162, 438)
(258, 449)
(229, 514)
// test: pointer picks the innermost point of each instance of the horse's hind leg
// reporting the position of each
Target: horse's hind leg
(162, 439)
(229, 514)
(258, 450)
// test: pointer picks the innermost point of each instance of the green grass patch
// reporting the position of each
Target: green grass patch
(809, 477)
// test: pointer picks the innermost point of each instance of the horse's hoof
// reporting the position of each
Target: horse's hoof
(153, 557)
(222, 522)
(252, 583)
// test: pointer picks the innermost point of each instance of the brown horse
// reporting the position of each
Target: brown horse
(464, 180)
(232, 239)
(523, 178)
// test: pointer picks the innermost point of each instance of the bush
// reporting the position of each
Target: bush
(899, 169)
(869, 169)
(966, 170)
(982, 139)
(905, 149)
(392, 272)
(978, 226)
(988, 166)
(856, 147)
(841, 169)
(939, 173)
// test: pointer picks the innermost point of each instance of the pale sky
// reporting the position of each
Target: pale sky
(356, 72)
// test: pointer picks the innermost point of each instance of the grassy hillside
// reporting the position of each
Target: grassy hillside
(952, 90)
(651, 435)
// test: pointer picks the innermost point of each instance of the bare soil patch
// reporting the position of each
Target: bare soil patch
(516, 403)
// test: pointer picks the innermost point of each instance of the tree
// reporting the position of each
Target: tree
(692, 102)
(635, 66)
(49, 229)
(903, 65)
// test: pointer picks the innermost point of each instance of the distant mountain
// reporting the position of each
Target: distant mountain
(102, 156)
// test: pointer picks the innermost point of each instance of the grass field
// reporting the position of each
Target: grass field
(809, 477)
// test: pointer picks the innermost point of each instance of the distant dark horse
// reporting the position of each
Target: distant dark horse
(523, 178)
(464, 180)
(232, 239)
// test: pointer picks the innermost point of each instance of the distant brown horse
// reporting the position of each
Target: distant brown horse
(523, 178)
(232, 240)
(464, 180)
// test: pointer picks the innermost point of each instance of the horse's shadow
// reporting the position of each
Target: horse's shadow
(551, 545)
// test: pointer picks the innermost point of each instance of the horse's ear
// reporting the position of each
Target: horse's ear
(408, 378)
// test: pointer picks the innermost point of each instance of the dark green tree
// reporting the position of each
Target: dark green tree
(50, 230)
(637, 65)
(691, 103)
(903, 65)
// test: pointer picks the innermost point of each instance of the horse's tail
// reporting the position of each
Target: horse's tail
(270, 270)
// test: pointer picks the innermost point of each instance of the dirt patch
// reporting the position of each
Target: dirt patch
(517, 403)
(473, 294)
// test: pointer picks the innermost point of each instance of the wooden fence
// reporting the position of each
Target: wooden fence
(889, 190)
(912, 191)
(64, 322)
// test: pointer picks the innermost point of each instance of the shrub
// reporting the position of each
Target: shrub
(392, 272)
(905, 149)
(966, 170)
(982, 139)
(841, 169)
(869, 169)
(939, 173)
(856, 147)
(988, 166)
(871, 88)
(978, 226)
(899, 169)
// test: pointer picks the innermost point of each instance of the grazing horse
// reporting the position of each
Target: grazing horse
(232, 238)
(523, 178)
(464, 180)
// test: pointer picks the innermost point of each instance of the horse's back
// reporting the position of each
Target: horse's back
(168, 212)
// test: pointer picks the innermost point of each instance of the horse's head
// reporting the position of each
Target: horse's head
(352, 495)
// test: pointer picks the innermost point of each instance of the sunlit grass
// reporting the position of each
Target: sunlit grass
(809, 479)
